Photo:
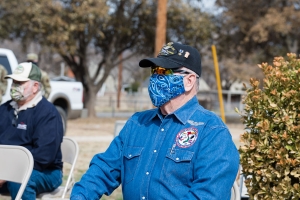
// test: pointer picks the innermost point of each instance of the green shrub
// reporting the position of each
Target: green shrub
(270, 151)
(134, 87)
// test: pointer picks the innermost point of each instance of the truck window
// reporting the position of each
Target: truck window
(5, 63)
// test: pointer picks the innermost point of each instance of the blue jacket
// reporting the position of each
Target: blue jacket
(38, 128)
(185, 155)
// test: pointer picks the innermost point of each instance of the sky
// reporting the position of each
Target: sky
(206, 5)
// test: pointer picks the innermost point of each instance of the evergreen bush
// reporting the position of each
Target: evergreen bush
(270, 150)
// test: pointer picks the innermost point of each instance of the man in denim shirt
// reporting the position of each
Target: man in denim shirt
(178, 150)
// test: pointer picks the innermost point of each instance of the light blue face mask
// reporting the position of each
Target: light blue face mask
(163, 88)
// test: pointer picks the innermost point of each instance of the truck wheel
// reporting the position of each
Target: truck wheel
(63, 117)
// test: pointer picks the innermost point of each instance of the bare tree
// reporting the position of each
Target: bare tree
(77, 29)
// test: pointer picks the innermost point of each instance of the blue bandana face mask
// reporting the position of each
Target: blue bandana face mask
(163, 88)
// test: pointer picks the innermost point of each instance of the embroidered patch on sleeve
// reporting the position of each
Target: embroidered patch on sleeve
(186, 137)
(193, 123)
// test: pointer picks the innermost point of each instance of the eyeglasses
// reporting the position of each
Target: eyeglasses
(161, 70)
(14, 120)
(164, 71)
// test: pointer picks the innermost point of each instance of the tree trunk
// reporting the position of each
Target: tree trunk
(91, 97)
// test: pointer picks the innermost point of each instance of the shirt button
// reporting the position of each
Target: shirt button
(147, 173)
(177, 158)
(162, 129)
(143, 197)
(154, 151)
(130, 155)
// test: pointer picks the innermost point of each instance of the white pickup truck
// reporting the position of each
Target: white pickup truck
(66, 94)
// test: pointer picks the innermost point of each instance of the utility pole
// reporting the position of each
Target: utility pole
(119, 80)
(161, 25)
(214, 53)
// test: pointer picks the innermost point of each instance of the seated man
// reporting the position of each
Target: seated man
(178, 150)
(31, 121)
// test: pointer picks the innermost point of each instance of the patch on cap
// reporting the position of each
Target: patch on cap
(167, 50)
(19, 70)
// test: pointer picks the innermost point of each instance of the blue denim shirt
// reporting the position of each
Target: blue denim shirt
(188, 154)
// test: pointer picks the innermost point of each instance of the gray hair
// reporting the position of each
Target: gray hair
(198, 84)
(197, 76)
(39, 84)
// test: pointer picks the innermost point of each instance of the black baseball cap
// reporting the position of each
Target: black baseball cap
(174, 55)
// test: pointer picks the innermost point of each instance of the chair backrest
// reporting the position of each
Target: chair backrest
(16, 165)
(243, 188)
(70, 150)
(119, 124)
(235, 192)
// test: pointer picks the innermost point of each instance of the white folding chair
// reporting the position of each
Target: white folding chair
(243, 188)
(235, 192)
(70, 150)
(119, 124)
(16, 165)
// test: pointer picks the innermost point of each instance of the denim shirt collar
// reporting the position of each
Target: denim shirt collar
(183, 114)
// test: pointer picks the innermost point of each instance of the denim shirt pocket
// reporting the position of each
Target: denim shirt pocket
(131, 161)
(177, 167)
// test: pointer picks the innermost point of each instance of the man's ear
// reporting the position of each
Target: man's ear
(190, 81)
(35, 87)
